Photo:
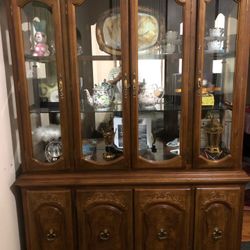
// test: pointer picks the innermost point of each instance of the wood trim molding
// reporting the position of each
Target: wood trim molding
(118, 178)
(181, 2)
(22, 3)
(78, 2)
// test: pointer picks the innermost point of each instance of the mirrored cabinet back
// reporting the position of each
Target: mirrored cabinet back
(131, 120)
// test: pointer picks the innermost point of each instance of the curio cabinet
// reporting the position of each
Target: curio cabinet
(131, 116)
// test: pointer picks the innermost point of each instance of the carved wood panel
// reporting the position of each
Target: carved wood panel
(48, 220)
(162, 218)
(217, 218)
(104, 219)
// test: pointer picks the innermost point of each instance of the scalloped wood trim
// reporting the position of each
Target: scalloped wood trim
(22, 3)
(78, 2)
(180, 1)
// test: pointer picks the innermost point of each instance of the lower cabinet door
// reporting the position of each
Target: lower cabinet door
(162, 219)
(218, 220)
(105, 219)
(48, 219)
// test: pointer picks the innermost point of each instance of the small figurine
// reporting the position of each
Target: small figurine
(109, 135)
(40, 39)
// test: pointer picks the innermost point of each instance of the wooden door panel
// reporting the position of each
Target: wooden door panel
(49, 220)
(84, 77)
(163, 218)
(217, 218)
(105, 220)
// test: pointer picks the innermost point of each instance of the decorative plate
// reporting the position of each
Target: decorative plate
(108, 31)
(53, 150)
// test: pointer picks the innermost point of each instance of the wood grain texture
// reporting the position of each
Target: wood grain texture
(133, 178)
(246, 226)
(162, 217)
(217, 219)
(105, 219)
(48, 219)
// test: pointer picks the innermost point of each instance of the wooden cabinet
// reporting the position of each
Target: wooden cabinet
(98, 97)
(105, 219)
(162, 218)
(217, 216)
(131, 118)
(49, 219)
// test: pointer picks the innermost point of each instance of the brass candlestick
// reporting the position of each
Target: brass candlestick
(109, 135)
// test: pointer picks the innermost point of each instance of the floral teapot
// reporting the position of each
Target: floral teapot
(149, 94)
(102, 98)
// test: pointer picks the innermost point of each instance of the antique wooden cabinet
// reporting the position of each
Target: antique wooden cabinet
(131, 117)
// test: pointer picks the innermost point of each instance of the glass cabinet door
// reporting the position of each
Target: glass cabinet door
(219, 81)
(41, 83)
(99, 65)
(160, 79)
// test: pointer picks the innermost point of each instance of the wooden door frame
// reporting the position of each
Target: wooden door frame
(185, 160)
(239, 89)
(29, 163)
(124, 160)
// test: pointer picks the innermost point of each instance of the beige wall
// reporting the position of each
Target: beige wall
(9, 235)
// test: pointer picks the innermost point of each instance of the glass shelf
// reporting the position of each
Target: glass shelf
(215, 107)
(98, 58)
(55, 109)
(161, 107)
(160, 56)
(94, 148)
(219, 54)
(89, 109)
(43, 59)
(118, 58)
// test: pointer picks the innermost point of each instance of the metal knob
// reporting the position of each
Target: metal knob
(51, 235)
(104, 235)
(199, 82)
(134, 84)
(163, 234)
(217, 234)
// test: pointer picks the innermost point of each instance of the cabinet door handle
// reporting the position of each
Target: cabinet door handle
(51, 235)
(217, 234)
(134, 84)
(60, 88)
(126, 86)
(199, 82)
(104, 235)
(163, 234)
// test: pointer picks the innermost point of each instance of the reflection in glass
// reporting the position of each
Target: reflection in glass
(41, 74)
(100, 83)
(159, 79)
(218, 74)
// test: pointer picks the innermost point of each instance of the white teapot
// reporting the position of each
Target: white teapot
(149, 95)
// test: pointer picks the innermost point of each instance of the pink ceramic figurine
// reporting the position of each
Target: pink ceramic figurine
(41, 47)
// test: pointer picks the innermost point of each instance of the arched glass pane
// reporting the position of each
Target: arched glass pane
(218, 78)
(41, 73)
(99, 54)
(160, 35)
